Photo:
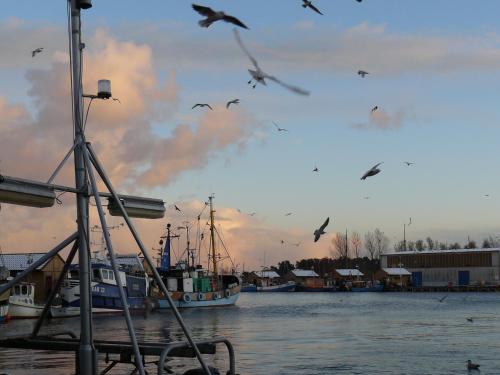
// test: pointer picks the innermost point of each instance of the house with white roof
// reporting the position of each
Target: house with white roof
(306, 278)
(44, 276)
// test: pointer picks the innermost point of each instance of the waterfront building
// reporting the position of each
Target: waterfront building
(305, 278)
(439, 268)
(346, 274)
(44, 276)
(393, 276)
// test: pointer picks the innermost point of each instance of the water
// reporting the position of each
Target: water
(311, 333)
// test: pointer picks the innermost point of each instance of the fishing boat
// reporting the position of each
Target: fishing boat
(22, 302)
(270, 281)
(189, 284)
(105, 293)
(248, 288)
(4, 297)
(366, 286)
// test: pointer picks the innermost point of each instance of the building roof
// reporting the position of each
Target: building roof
(496, 249)
(304, 273)
(396, 271)
(19, 262)
(349, 272)
(267, 274)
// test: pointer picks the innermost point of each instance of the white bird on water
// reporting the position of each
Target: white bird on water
(259, 76)
(321, 230)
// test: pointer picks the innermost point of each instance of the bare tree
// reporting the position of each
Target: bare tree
(340, 246)
(370, 245)
(356, 243)
(430, 243)
(381, 242)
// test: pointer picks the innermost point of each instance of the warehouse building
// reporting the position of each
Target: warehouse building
(438, 268)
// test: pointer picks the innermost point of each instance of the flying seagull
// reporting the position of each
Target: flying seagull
(366, 197)
(409, 222)
(372, 171)
(321, 230)
(374, 108)
(177, 208)
(472, 366)
(213, 16)
(38, 50)
(362, 73)
(282, 242)
(315, 169)
(443, 298)
(288, 214)
(234, 101)
(487, 195)
(201, 105)
(470, 320)
(259, 76)
(117, 100)
(279, 129)
(252, 214)
(309, 4)
(408, 163)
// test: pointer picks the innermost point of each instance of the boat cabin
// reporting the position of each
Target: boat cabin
(24, 292)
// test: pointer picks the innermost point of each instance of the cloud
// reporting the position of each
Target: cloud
(382, 120)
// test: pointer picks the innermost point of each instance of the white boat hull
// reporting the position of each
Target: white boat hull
(68, 312)
(19, 310)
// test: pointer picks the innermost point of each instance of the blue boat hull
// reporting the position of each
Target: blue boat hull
(290, 287)
(249, 288)
(376, 288)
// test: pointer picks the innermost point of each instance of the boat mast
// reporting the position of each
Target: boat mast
(212, 235)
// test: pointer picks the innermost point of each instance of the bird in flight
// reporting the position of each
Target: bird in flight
(117, 100)
(443, 298)
(470, 320)
(259, 76)
(487, 195)
(366, 197)
(201, 105)
(279, 129)
(409, 222)
(309, 4)
(372, 171)
(234, 101)
(177, 208)
(282, 242)
(321, 230)
(213, 16)
(315, 169)
(36, 51)
(362, 73)
(408, 163)
(252, 214)
(374, 108)
(288, 214)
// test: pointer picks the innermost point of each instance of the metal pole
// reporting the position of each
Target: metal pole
(54, 290)
(38, 263)
(404, 236)
(109, 245)
(156, 275)
(87, 354)
(212, 235)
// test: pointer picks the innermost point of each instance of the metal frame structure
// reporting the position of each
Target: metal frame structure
(85, 162)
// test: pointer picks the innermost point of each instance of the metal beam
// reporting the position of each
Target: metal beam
(107, 182)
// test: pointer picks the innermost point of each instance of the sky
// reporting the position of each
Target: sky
(433, 75)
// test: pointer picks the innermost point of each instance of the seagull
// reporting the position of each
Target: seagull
(470, 319)
(362, 73)
(238, 210)
(279, 129)
(315, 169)
(443, 298)
(374, 108)
(366, 197)
(321, 230)
(38, 50)
(372, 171)
(308, 4)
(259, 76)
(487, 195)
(288, 214)
(408, 163)
(201, 105)
(177, 208)
(472, 366)
(234, 101)
(282, 242)
(117, 100)
(213, 16)
(409, 222)
(252, 214)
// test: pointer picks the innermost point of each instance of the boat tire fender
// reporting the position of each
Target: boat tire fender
(186, 298)
(227, 293)
(201, 297)
(216, 295)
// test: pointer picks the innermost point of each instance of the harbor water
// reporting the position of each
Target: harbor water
(309, 333)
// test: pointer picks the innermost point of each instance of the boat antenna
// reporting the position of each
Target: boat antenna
(212, 235)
